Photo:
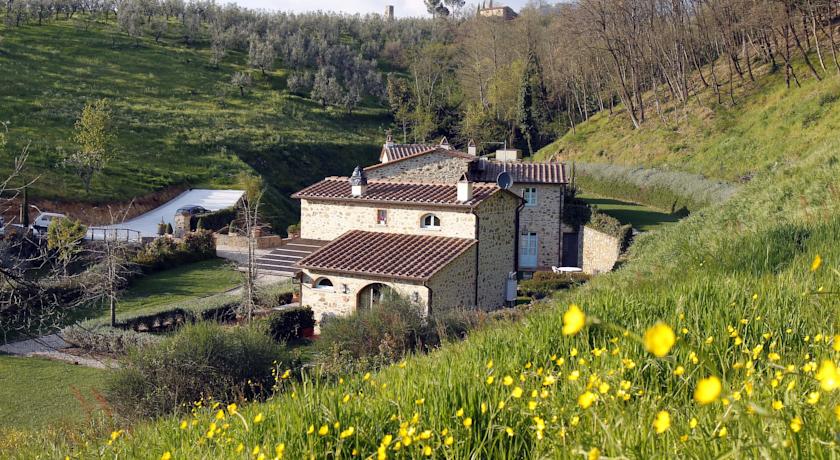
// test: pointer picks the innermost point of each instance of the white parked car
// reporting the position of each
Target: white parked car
(42, 222)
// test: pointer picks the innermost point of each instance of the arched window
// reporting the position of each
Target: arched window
(430, 221)
(325, 284)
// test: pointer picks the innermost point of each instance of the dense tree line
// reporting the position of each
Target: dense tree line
(526, 81)
(337, 59)
(520, 82)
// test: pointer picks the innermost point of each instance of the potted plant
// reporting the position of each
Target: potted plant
(293, 231)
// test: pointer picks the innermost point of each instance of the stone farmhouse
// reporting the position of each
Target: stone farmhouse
(431, 223)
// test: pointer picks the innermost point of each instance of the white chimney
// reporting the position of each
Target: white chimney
(444, 144)
(471, 148)
(358, 182)
(465, 190)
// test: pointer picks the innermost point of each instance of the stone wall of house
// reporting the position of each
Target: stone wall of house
(337, 302)
(453, 286)
(496, 248)
(431, 167)
(544, 220)
(599, 251)
(322, 220)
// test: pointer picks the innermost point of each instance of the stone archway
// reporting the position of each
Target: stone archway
(372, 295)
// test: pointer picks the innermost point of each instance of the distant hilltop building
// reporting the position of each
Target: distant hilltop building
(504, 12)
(389, 12)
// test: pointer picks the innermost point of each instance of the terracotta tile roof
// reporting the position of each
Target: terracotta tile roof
(418, 150)
(393, 152)
(383, 191)
(388, 255)
(525, 173)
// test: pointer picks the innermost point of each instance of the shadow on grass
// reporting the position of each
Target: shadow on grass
(640, 217)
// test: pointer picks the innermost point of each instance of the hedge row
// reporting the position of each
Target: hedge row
(291, 323)
(215, 220)
(138, 328)
(669, 190)
(543, 284)
(611, 226)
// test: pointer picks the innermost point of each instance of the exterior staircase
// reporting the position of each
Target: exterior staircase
(281, 261)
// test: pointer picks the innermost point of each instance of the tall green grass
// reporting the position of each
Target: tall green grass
(727, 279)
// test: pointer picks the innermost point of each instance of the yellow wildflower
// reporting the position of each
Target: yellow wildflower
(573, 320)
(586, 399)
(659, 339)
(323, 430)
(448, 441)
(509, 431)
(828, 375)
(468, 422)
(184, 424)
(347, 433)
(778, 405)
(594, 454)
(679, 370)
(166, 456)
(707, 390)
(815, 264)
(796, 424)
(259, 418)
(662, 422)
(813, 397)
(490, 380)
(507, 381)
(692, 423)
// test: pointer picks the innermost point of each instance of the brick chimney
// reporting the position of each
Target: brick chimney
(358, 182)
(465, 190)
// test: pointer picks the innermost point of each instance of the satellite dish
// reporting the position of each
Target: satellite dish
(504, 180)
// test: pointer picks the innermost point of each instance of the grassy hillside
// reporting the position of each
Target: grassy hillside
(736, 282)
(177, 119)
(769, 126)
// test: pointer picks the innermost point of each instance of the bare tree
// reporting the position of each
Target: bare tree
(250, 217)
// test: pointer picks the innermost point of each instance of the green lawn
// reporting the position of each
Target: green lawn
(641, 217)
(200, 279)
(190, 281)
(36, 392)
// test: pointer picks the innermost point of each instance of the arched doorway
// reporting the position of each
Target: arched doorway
(372, 295)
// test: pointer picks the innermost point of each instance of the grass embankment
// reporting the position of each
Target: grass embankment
(734, 281)
(177, 119)
(37, 393)
(769, 127)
